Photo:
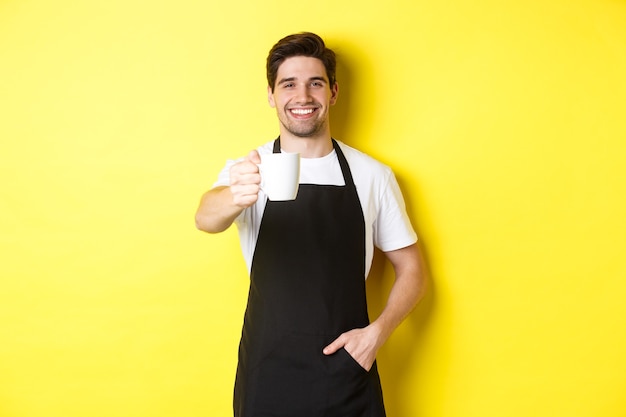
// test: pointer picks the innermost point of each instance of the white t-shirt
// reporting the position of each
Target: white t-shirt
(387, 225)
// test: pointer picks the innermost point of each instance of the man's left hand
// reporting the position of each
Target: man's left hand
(361, 344)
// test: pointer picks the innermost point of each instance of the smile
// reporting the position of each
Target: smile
(302, 112)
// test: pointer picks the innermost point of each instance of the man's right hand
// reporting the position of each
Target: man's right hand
(245, 180)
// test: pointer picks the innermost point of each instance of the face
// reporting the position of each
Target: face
(302, 97)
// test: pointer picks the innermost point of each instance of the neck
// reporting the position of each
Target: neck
(310, 147)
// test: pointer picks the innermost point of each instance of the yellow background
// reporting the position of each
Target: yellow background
(505, 124)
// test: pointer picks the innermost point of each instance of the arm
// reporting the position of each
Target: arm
(220, 206)
(408, 288)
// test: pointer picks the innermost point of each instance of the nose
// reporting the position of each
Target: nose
(303, 94)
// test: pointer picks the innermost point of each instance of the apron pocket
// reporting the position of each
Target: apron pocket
(348, 385)
(290, 378)
(350, 360)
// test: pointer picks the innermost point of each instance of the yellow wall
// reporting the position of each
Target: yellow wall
(504, 122)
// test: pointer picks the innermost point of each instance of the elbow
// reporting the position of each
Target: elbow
(200, 225)
(205, 225)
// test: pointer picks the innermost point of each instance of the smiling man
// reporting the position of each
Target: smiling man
(308, 347)
(303, 97)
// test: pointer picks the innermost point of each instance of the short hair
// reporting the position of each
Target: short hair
(301, 44)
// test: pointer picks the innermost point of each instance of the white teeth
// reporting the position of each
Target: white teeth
(302, 111)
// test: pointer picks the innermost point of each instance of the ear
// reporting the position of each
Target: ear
(270, 97)
(334, 92)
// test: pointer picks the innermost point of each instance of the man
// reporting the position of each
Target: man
(307, 346)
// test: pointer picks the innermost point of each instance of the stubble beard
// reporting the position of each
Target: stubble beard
(304, 130)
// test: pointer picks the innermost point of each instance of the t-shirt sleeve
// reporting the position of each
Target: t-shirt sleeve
(392, 228)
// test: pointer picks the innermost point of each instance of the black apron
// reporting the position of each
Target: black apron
(307, 286)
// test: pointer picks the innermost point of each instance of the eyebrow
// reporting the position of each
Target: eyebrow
(290, 79)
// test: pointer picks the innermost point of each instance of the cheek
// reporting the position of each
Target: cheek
(279, 101)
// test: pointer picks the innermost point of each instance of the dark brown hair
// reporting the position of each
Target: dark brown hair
(301, 44)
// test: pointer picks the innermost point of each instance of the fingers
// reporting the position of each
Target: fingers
(357, 344)
(335, 345)
(245, 180)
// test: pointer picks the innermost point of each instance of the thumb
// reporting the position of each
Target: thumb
(337, 344)
(254, 157)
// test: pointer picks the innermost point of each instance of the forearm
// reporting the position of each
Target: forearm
(217, 210)
(407, 290)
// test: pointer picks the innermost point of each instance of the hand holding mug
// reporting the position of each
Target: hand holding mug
(245, 180)
(277, 174)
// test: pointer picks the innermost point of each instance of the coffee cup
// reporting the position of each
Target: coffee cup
(280, 175)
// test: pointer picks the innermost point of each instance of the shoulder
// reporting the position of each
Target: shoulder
(267, 147)
(363, 164)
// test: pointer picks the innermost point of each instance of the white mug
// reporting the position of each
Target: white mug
(280, 175)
